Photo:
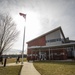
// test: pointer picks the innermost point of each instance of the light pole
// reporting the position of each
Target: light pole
(24, 16)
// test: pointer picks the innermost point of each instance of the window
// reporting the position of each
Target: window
(53, 40)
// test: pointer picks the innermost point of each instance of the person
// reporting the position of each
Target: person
(18, 59)
(5, 62)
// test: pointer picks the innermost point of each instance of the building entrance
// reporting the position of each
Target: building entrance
(42, 55)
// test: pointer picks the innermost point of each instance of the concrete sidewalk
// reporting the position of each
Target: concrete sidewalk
(28, 69)
(11, 64)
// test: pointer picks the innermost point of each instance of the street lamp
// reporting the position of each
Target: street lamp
(24, 16)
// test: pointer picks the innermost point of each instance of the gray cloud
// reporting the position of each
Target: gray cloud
(53, 13)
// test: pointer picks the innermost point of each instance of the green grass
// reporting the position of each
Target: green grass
(10, 70)
(55, 68)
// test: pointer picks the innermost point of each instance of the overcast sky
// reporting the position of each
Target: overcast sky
(42, 16)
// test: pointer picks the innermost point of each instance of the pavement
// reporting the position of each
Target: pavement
(27, 69)
(11, 64)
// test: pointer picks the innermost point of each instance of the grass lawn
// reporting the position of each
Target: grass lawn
(55, 68)
(10, 70)
(13, 60)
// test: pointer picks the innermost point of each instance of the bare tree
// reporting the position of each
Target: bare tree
(8, 32)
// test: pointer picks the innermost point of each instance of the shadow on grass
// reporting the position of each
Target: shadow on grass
(20, 70)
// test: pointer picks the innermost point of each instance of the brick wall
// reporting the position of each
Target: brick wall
(59, 54)
(37, 42)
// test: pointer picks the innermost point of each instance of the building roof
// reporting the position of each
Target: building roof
(58, 28)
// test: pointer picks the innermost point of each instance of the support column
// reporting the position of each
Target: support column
(52, 55)
(39, 54)
(31, 55)
(67, 52)
(49, 53)
(74, 51)
(35, 55)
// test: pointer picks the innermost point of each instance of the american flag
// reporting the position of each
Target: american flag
(22, 14)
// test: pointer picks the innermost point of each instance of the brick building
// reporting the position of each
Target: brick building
(51, 46)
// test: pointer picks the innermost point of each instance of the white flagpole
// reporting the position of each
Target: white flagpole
(23, 45)
(24, 15)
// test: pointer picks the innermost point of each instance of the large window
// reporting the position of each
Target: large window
(53, 40)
